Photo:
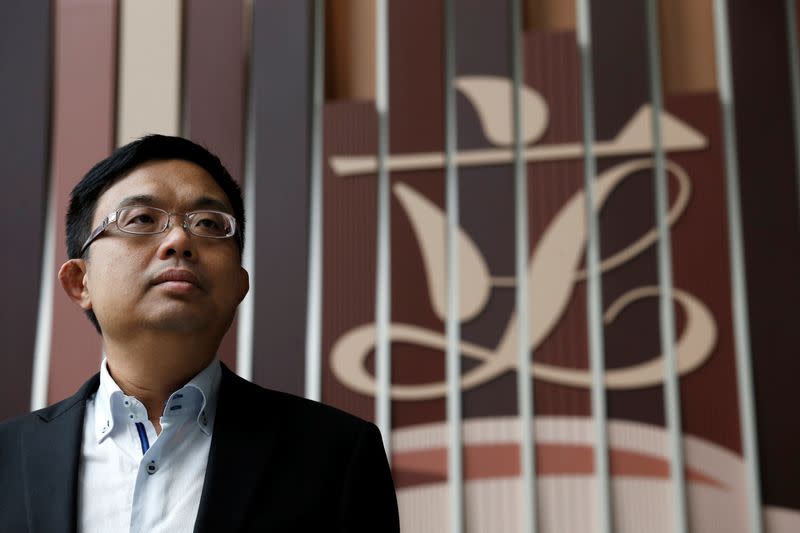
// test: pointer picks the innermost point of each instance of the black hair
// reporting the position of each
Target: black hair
(122, 161)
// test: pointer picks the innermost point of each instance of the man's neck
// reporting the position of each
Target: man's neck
(152, 369)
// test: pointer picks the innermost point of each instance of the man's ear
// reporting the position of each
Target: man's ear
(244, 283)
(72, 276)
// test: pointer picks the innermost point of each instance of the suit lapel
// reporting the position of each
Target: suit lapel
(238, 459)
(50, 449)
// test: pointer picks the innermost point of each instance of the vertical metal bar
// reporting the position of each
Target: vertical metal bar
(593, 281)
(794, 72)
(44, 319)
(453, 326)
(245, 321)
(383, 295)
(741, 330)
(666, 310)
(314, 320)
(522, 251)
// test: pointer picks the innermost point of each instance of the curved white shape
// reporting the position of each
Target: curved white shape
(491, 97)
(429, 224)
(554, 264)
(693, 348)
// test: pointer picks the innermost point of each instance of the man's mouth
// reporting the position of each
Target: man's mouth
(177, 279)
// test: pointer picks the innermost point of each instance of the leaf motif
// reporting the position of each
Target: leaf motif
(430, 227)
(492, 98)
(637, 134)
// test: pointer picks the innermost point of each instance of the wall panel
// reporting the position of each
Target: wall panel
(765, 142)
(213, 94)
(486, 193)
(282, 44)
(25, 58)
(149, 86)
(84, 92)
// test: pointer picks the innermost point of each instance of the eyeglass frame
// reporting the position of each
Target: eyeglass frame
(114, 216)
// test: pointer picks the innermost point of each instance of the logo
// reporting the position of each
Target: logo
(554, 266)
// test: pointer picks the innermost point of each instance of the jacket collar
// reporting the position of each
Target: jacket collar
(51, 447)
(48, 414)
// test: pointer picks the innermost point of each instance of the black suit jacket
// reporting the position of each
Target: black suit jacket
(277, 463)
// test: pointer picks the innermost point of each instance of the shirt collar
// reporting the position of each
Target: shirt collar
(198, 398)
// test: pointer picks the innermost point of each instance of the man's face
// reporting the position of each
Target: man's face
(127, 276)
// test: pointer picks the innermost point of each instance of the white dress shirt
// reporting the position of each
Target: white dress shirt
(132, 479)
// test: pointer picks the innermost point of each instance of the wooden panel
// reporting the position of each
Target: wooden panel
(84, 87)
(214, 94)
(549, 15)
(24, 156)
(687, 45)
(350, 50)
(282, 41)
(149, 68)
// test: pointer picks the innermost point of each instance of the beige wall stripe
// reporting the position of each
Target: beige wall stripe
(149, 68)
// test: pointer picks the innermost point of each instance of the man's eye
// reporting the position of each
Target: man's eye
(138, 219)
(141, 219)
(207, 223)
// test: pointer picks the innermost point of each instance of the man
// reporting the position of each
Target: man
(165, 437)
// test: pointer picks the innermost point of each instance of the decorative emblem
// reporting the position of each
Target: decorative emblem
(554, 264)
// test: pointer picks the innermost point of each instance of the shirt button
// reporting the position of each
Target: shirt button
(152, 468)
(127, 402)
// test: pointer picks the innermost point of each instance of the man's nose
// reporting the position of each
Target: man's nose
(177, 241)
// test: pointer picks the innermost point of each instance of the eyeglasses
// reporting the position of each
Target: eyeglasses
(144, 220)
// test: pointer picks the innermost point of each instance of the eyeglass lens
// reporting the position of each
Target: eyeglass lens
(147, 220)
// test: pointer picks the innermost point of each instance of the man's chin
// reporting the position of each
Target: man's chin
(179, 320)
(178, 325)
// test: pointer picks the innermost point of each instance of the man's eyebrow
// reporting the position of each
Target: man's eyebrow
(204, 202)
(139, 199)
